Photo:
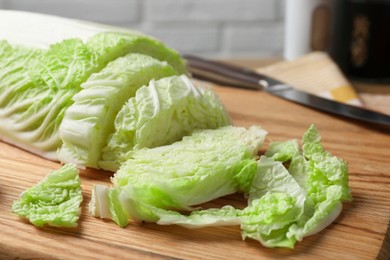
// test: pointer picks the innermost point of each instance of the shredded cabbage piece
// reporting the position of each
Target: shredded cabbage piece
(90, 119)
(160, 114)
(285, 203)
(55, 201)
(199, 168)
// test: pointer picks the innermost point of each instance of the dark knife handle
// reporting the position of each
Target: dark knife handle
(223, 73)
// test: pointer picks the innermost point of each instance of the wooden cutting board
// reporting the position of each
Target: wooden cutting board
(360, 232)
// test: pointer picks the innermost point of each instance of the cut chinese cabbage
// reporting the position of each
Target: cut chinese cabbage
(55, 201)
(199, 168)
(284, 204)
(275, 202)
(37, 86)
(35, 30)
(283, 208)
(160, 114)
(326, 184)
(111, 45)
(90, 119)
(31, 109)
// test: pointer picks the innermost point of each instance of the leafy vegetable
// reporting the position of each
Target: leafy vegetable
(90, 119)
(284, 204)
(33, 107)
(160, 114)
(37, 86)
(55, 201)
(275, 202)
(36, 30)
(199, 168)
(111, 45)
(114, 98)
(61, 102)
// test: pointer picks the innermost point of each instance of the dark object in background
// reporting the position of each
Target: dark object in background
(361, 45)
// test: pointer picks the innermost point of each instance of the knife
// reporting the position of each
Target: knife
(230, 75)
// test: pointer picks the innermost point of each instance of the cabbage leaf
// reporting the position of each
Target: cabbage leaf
(55, 201)
(293, 192)
(162, 113)
(38, 86)
(31, 109)
(90, 119)
(199, 168)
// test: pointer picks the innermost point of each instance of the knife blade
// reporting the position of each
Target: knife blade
(230, 75)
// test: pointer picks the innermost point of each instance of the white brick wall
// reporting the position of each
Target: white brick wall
(218, 28)
(109, 11)
(210, 10)
(264, 38)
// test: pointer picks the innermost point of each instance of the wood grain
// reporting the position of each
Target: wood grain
(360, 232)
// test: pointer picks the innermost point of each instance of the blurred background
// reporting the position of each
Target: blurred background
(356, 33)
(217, 28)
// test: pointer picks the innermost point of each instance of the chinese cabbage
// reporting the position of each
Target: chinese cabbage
(55, 201)
(31, 109)
(284, 204)
(37, 85)
(162, 113)
(90, 119)
(199, 168)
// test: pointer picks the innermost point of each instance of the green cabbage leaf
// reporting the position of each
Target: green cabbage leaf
(37, 86)
(90, 119)
(197, 169)
(55, 201)
(293, 192)
(159, 114)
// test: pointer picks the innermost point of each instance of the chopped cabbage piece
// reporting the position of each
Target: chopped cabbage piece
(38, 85)
(55, 201)
(284, 204)
(90, 119)
(199, 168)
(162, 113)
